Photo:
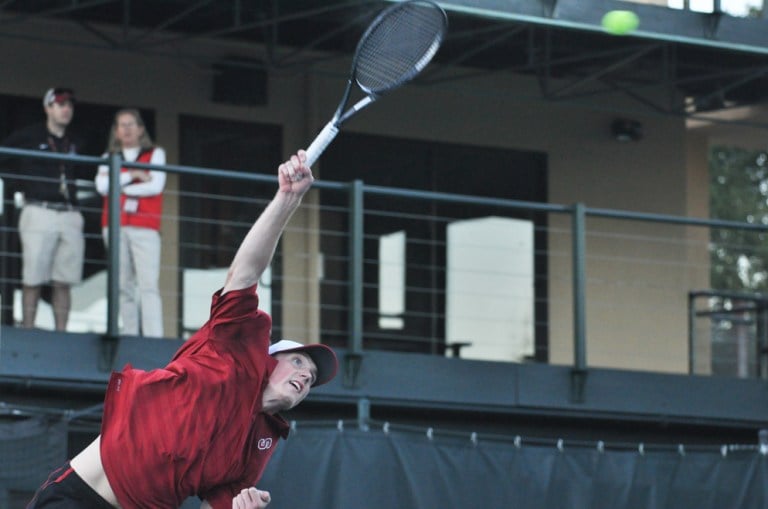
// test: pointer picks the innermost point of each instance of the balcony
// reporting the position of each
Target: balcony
(547, 307)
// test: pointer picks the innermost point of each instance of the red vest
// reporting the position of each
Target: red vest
(149, 210)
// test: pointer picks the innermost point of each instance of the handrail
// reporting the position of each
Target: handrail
(406, 193)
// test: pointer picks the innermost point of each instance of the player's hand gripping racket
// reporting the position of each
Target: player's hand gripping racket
(396, 47)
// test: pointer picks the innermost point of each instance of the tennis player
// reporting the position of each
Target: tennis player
(207, 423)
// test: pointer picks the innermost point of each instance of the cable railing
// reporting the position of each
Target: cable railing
(367, 267)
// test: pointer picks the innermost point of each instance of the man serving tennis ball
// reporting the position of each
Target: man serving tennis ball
(207, 423)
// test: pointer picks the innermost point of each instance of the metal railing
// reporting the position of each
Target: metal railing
(551, 280)
(735, 325)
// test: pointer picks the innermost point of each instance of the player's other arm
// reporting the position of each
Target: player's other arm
(142, 183)
(249, 498)
(257, 249)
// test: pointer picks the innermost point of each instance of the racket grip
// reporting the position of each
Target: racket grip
(323, 139)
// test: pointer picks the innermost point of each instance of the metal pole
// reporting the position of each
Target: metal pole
(354, 357)
(363, 413)
(113, 240)
(579, 292)
(6, 292)
(691, 333)
(762, 337)
(356, 267)
(579, 373)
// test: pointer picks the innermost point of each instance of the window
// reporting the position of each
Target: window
(489, 288)
(392, 280)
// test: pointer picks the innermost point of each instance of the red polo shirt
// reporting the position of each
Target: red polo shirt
(195, 427)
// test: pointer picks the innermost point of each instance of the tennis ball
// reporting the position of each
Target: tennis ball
(620, 22)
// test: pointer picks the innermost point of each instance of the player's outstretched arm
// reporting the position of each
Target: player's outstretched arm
(257, 249)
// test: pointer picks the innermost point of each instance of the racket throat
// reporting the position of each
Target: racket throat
(359, 105)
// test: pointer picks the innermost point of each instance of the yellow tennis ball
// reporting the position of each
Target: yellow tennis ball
(620, 22)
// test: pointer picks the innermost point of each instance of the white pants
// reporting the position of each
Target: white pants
(139, 281)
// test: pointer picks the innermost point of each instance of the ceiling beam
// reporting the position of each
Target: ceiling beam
(656, 22)
(55, 11)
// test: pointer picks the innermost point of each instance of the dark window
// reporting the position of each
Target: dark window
(216, 213)
(432, 166)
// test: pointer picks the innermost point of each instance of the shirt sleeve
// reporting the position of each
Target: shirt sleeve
(16, 139)
(154, 185)
(240, 326)
(20, 139)
(102, 178)
(10, 141)
(234, 307)
(235, 304)
(221, 496)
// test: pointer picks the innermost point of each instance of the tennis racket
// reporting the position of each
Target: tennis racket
(396, 47)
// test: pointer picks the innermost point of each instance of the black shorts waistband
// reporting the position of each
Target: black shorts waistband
(65, 489)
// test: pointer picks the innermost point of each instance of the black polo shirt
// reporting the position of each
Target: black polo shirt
(41, 179)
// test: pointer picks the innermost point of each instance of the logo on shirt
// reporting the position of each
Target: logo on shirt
(264, 444)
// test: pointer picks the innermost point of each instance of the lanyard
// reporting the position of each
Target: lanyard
(63, 189)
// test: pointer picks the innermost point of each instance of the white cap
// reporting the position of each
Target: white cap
(323, 357)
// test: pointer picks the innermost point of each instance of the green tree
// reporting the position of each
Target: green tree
(739, 192)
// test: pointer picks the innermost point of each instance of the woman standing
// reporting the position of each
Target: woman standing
(141, 208)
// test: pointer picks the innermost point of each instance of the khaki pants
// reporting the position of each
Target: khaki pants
(52, 245)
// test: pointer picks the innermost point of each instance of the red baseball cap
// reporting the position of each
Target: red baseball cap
(58, 95)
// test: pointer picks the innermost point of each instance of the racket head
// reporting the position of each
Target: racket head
(398, 45)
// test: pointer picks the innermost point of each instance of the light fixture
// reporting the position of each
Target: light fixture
(625, 130)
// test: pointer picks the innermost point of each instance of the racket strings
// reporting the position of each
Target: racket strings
(399, 46)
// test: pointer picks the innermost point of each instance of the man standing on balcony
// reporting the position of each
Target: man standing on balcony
(207, 423)
(50, 224)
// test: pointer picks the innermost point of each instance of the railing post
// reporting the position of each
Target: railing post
(691, 333)
(113, 249)
(353, 358)
(3, 261)
(363, 413)
(6, 288)
(761, 319)
(579, 373)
